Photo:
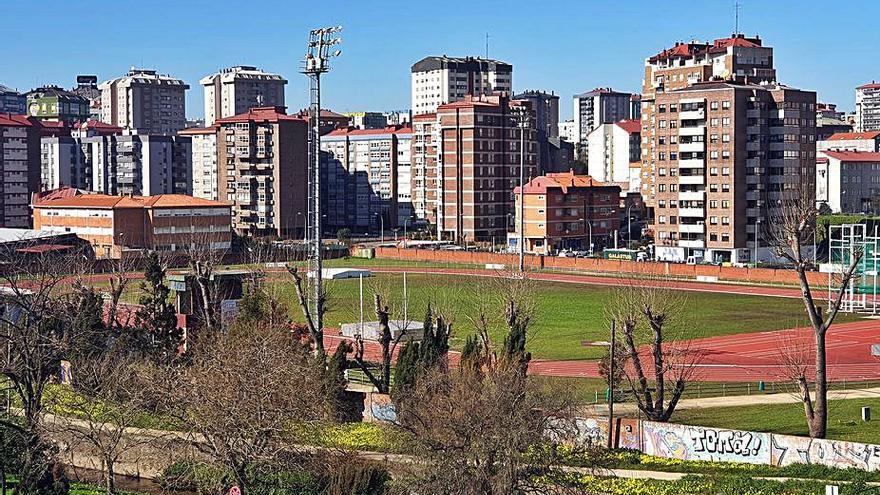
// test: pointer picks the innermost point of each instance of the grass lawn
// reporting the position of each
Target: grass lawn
(567, 313)
(844, 419)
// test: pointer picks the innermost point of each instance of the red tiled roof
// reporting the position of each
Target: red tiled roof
(870, 85)
(106, 201)
(563, 180)
(42, 248)
(190, 131)
(687, 50)
(260, 114)
(14, 120)
(351, 131)
(854, 156)
(631, 126)
(101, 127)
(853, 136)
(61, 192)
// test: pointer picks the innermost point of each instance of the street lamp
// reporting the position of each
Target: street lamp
(405, 220)
(382, 227)
(590, 227)
(629, 227)
(612, 346)
(520, 115)
(757, 229)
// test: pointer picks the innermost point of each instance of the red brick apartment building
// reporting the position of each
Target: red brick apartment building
(118, 226)
(262, 160)
(568, 211)
(478, 166)
(722, 143)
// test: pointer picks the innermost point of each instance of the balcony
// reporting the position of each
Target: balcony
(698, 114)
(697, 130)
(692, 244)
(692, 196)
(695, 146)
(692, 163)
(691, 228)
(691, 179)
(691, 212)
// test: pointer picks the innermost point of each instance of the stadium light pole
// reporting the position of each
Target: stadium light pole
(317, 62)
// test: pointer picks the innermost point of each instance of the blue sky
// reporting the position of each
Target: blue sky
(562, 46)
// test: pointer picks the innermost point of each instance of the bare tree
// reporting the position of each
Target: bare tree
(204, 257)
(316, 330)
(792, 227)
(119, 279)
(243, 395)
(42, 323)
(104, 411)
(645, 312)
(483, 427)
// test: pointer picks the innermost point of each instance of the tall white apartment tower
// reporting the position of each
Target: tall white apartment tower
(868, 107)
(145, 101)
(440, 80)
(236, 90)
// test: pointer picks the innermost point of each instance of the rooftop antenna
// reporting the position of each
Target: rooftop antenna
(736, 7)
(487, 46)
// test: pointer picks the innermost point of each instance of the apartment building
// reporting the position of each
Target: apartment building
(479, 165)
(87, 87)
(440, 80)
(367, 178)
(237, 89)
(566, 211)
(546, 109)
(145, 101)
(848, 181)
(851, 141)
(55, 104)
(594, 108)
(11, 101)
(425, 187)
(868, 107)
(329, 121)
(20, 167)
(262, 159)
(123, 226)
(615, 154)
(204, 161)
(737, 58)
(724, 153)
(66, 159)
(368, 120)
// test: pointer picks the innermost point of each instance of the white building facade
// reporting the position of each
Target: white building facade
(614, 154)
(145, 101)
(868, 107)
(237, 89)
(440, 80)
(204, 161)
(848, 181)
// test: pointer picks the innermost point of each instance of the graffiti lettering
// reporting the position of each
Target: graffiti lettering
(742, 443)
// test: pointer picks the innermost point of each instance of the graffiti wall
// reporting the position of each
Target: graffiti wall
(630, 436)
(379, 408)
(787, 450)
(704, 444)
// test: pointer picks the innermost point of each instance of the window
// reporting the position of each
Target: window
(725, 121)
(713, 204)
(713, 171)
(661, 219)
(725, 104)
(713, 220)
(725, 204)
(725, 154)
(662, 124)
(725, 237)
(725, 171)
(725, 138)
(661, 171)
(673, 187)
(661, 187)
(713, 122)
(673, 124)
(725, 220)
(713, 105)
(725, 187)
(713, 138)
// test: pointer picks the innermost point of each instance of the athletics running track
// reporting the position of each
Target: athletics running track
(732, 358)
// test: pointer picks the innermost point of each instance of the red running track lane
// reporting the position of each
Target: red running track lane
(747, 290)
(759, 356)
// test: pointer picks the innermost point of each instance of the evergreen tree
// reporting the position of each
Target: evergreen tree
(158, 336)
(415, 358)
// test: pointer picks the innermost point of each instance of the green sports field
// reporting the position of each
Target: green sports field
(567, 314)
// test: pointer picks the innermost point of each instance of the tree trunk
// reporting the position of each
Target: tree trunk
(819, 422)
(110, 482)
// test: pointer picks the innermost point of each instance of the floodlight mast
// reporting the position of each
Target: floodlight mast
(317, 62)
